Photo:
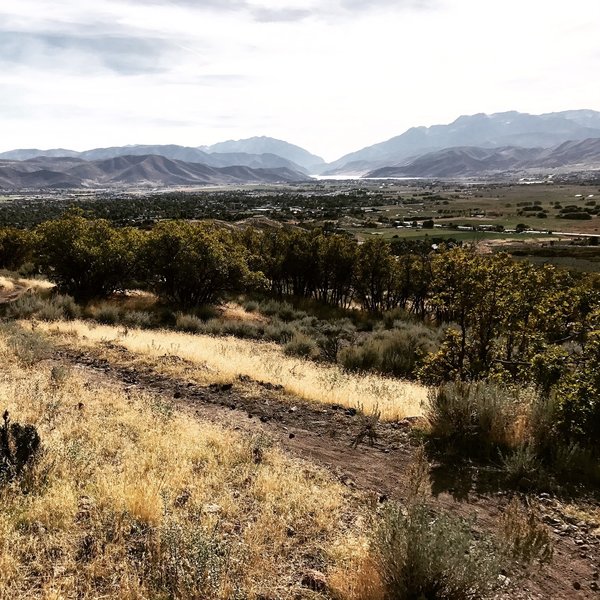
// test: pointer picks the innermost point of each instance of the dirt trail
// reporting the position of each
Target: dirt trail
(325, 433)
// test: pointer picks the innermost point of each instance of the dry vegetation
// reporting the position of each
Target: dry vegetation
(131, 500)
(226, 358)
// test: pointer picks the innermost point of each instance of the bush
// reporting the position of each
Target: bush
(478, 419)
(137, 318)
(303, 346)
(189, 323)
(107, 314)
(421, 555)
(46, 309)
(397, 352)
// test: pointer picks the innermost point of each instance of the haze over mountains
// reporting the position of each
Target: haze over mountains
(470, 146)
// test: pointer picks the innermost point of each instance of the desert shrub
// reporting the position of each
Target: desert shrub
(137, 318)
(25, 307)
(397, 352)
(189, 323)
(359, 358)
(205, 312)
(107, 314)
(301, 345)
(433, 556)
(525, 537)
(46, 309)
(279, 332)
(474, 418)
(282, 310)
(333, 335)
(522, 467)
(28, 346)
(69, 308)
(251, 306)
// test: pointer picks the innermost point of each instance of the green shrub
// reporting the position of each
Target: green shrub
(250, 306)
(302, 346)
(137, 318)
(477, 419)
(70, 309)
(397, 352)
(423, 555)
(359, 358)
(107, 314)
(189, 323)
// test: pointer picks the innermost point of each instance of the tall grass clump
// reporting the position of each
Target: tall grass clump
(477, 419)
(420, 554)
(397, 352)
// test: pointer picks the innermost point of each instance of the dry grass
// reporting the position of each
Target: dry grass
(226, 358)
(6, 284)
(234, 312)
(130, 500)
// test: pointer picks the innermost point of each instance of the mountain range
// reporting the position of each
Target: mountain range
(470, 145)
(153, 170)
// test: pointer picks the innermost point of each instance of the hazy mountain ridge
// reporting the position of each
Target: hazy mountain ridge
(265, 160)
(45, 172)
(500, 133)
(480, 130)
(468, 160)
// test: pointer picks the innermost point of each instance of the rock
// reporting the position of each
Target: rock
(292, 436)
(579, 542)
(264, 419)
(594, 586)
(503, 580)
(211, 509)
(351, 412)
(177, 395)
(314, 580)
(577, 585)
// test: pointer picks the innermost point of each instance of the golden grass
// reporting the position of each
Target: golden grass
(227, 357)
(130, 500)
(6, 284)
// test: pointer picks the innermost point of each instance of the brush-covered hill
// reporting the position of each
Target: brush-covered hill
(151, 170)
(472, 161)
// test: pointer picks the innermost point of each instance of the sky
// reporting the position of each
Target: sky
(332, 76)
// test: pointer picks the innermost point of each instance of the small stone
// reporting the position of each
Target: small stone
(351, 412)
(292, 436)
(579, 542)
(264, 419)
(577, 585)
(177, 395)
(594, 586)
(211, 509)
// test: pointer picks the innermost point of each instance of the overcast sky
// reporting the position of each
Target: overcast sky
(329, 75)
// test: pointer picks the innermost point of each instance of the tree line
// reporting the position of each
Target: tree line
(503, 313)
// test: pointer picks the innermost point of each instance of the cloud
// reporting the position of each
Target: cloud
(126, 55)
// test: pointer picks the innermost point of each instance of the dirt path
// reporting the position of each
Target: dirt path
(325, 434)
